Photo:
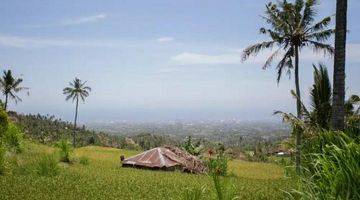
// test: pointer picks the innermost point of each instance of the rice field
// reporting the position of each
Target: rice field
(104, 178)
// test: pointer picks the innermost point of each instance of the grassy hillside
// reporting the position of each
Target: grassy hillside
(103, 178)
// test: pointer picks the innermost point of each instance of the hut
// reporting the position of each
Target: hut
(166, 158)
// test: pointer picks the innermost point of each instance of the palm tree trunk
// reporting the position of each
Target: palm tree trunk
(6, 100)
(298, 109)
(338, 114)
(75, 120)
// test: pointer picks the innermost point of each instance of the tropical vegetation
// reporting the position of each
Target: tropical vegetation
(292, 27)
(37, 160)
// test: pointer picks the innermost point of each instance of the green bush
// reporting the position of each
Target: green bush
(13, 137)
(315, 145)
(192, 148)
(65, 150)
(47, 166)
(2, 159)
(218, 165)
(334, 171)
(84, 160)
(4, 122)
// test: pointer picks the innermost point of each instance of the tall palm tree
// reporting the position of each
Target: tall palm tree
(9, 86)
(338, 113)
(292, 27)
(77, 90)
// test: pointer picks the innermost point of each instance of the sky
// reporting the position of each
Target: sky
(154, 60)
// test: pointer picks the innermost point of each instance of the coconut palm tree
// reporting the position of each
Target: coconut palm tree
(292, 28)
(338, 113)
(77, 90)
(9, 86)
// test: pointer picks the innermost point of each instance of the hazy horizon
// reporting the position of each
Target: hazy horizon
(154, 61)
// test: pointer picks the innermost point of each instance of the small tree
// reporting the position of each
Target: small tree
(65, 150)
(190, 147)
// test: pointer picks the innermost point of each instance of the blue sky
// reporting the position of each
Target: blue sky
(153, 60)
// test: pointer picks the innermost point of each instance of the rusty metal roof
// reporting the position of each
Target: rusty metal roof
(166, 157)
(157, 157)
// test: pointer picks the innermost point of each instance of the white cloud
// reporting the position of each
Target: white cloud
(72, 21)
(165, 39)
(31, 42)
(195, 58)
(15, 41)
(82, 20)
(188, 58)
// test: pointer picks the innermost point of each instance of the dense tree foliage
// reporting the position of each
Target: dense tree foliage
(48, 129)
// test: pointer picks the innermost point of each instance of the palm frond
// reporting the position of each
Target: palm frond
(69, 97)
(320, 95)
(354, 99)
(87, 88)
(256, 48)
(320, 25)
(321, 36)
(309, 13)
(14, 97)
(285, 62)
(304, 110)
(290, 118)
(317, 47)
(271, 58)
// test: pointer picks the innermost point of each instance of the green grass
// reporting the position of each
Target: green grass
(103, 178)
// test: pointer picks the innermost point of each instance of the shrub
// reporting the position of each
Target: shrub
(345, 183)
(334, 171)
(65, 150)
(316, 144)
(190, 147)
(47, 166)
(84, 160)
(13, 137)
(2, 159)
(218, 165)
(4, 122)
